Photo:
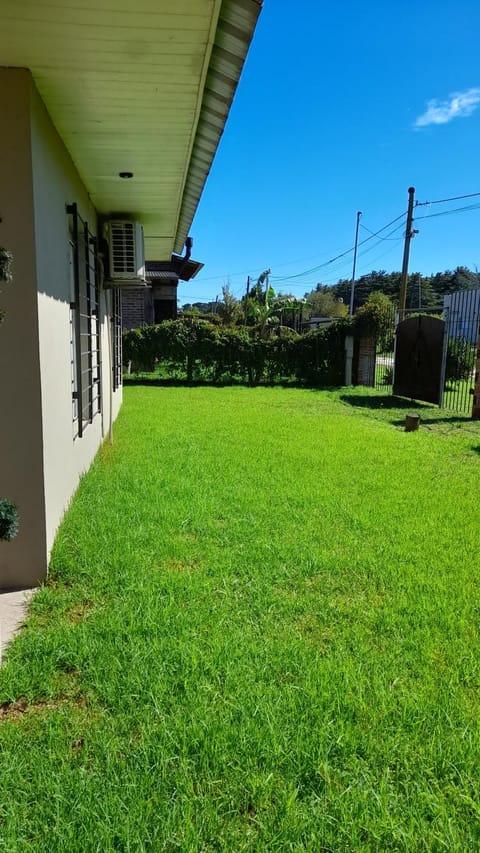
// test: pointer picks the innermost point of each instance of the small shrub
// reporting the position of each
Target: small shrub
(460, 359)
(388, 376)
(8, 520)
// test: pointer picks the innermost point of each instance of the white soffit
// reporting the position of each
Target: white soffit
(142, 87)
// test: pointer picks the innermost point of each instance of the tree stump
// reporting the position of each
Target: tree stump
(412, 422)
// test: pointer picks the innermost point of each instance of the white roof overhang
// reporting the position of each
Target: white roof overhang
(143, 87)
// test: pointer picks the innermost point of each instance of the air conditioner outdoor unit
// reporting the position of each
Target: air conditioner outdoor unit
(125, 252)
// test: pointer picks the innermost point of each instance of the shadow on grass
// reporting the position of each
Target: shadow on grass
(372, 401)
(447, 419)
(427, 418)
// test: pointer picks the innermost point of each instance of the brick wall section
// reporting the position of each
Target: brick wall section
(366, 362)
(133, 309)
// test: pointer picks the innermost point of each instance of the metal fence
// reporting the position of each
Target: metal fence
(461, 314)
(385, 353)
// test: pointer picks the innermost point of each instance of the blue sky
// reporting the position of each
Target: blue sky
(341, 107)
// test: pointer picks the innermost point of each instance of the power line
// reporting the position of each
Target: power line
(449, 212)
(337, 270)
(382, 255)
(444, 200)
(382, 238)
(279, 278)
(342, 254)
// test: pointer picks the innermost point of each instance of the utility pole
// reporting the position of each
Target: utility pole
(352, 288)
(409, 233)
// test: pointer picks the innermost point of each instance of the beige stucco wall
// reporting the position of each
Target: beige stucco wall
(38, 325)
(23, 561)
(56, 184)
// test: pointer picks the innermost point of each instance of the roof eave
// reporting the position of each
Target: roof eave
(236, 25)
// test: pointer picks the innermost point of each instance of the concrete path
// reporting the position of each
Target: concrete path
(13, 609)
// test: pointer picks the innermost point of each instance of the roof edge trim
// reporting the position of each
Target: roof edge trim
(235, 29)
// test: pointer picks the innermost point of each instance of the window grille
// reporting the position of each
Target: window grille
(85, 325)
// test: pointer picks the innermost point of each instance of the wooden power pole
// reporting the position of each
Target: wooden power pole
(406, 253)
(352, 286)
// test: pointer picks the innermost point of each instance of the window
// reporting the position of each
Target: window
(84, 324)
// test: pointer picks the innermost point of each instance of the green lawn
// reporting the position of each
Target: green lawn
(261, 632)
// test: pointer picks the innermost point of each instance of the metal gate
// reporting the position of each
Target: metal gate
(401, 366)
(419, 358)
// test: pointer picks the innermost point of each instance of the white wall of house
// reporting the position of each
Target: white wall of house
(22, 561)
(45, 461)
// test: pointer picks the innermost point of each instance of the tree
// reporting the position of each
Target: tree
(375, 318)
(421, 295)
(230, 310)
(423, 292)
(325, 303)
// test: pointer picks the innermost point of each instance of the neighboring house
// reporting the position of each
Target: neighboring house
(317, 323)
(157, 300)
(112, 115)
(461, 311)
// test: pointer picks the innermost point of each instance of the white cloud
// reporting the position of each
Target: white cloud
(458, 105)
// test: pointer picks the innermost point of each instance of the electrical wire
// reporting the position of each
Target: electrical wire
(449, 212)
(339, 267)
(382, 238)
(278, 279)
(444, 200)
(379, 257)
(342, 254)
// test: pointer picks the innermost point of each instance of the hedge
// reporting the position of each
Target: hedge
(195, 350)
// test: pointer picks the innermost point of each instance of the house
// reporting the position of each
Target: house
(314, 323)
(110, 120)
(461, 311)
(158, 300)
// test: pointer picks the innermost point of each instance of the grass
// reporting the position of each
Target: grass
(261, 632)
